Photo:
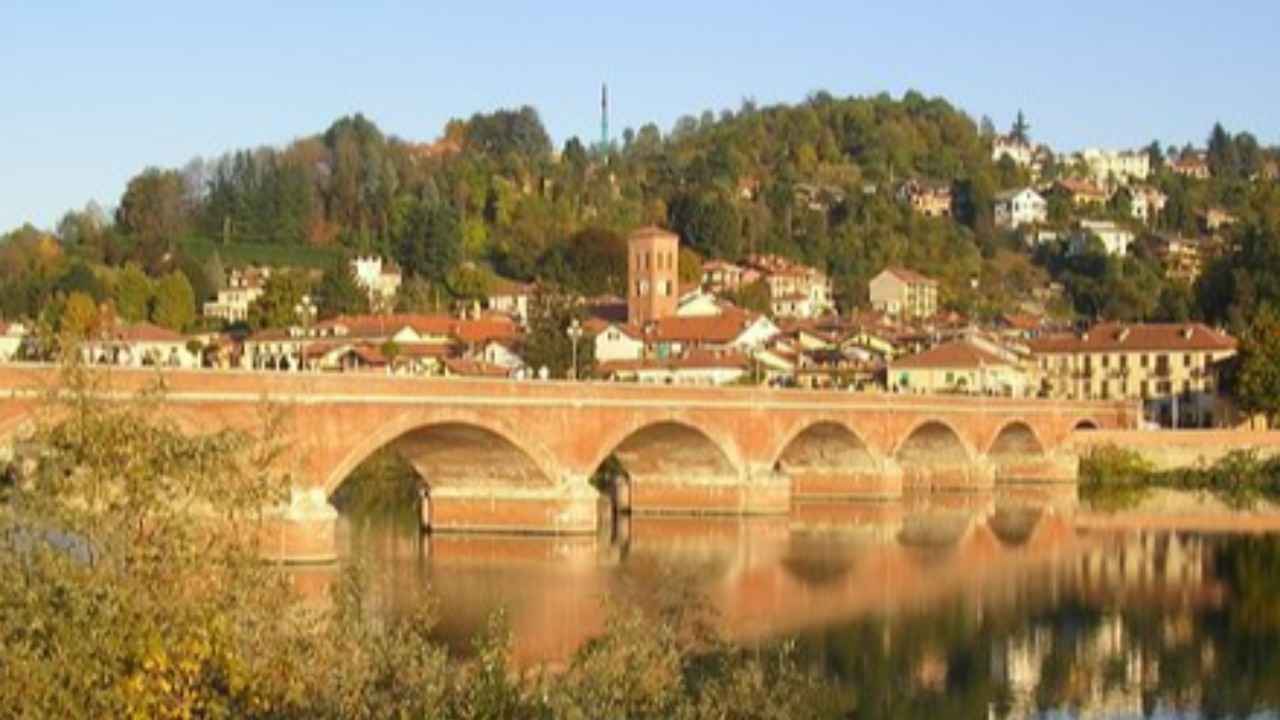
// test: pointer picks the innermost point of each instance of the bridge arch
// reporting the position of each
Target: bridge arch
(1086, 424)
(1016, 437)
(439, 439)
(826, 440)
(933, 438)
(712, 447)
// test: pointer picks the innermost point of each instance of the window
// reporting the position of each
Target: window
(1146, 360)
(1106, 361)
(1186, 360)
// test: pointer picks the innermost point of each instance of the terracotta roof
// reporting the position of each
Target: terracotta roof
(722, 328)
(475, 368)
(1118, 337)
(651, 231)
(699, 360)
(1022, 321)
(957, 354)
(505, 286)
(1081, 187)
(144, 332)
(909, 276)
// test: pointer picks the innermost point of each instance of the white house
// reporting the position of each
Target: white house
(12, 336)
(510, 298)
(617, 341)
(1145, 203)
(1015, 208)
(139, 345)
(381, 281)
(1108, 167)
(243, 287)
(698, 303)
(1115, 239)
(1020, 152)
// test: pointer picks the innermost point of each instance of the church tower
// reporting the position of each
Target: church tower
(653, 265)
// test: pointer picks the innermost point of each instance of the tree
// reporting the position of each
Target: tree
(282, 294)
(1256, 381)
(80, 277)
(154, 208)
(80, 316)
(339, 293)
(1021, 129)
(175, 302)
(754, 297)
(690, 267)
(418, 295)
(432, 241)
(215, 275)
(547, 343)
(597, 261)
(132, 294)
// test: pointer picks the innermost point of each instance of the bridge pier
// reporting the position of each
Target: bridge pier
(1054, 467)
(883, 482)
(303, 530)
(568, 509)
(976, 474)
(761, 493)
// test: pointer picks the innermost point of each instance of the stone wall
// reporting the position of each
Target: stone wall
(1170, 449)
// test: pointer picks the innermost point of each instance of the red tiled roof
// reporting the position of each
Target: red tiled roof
(909, 276)
(1118, 337)
(721, 328)
(144, 332)
(957, 354)
(1022, 321)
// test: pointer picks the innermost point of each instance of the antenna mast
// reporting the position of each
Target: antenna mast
(604, 117)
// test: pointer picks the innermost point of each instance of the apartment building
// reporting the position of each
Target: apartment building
(900, 292)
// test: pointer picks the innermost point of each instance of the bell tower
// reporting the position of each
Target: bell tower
(653, 264)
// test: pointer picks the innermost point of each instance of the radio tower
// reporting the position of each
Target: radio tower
(604, 117)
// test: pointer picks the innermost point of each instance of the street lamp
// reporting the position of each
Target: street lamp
(306, 312)
(574, 332)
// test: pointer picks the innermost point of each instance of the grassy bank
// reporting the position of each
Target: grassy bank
(1114, 478)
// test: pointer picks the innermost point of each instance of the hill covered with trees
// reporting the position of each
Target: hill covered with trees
(815, 181)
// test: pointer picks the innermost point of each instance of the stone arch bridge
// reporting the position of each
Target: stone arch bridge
(507, 456)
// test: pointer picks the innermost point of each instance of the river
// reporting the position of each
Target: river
(1006, 604)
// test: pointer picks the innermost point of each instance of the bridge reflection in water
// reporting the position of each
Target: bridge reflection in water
(823, 563)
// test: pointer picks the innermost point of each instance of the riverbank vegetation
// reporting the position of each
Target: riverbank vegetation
(1114, 478)
(131, 586)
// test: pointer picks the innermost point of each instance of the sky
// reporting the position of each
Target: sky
(92, 93)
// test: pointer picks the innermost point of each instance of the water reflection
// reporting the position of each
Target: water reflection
(967, 605)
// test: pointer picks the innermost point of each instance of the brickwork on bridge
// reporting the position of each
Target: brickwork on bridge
(518, 456)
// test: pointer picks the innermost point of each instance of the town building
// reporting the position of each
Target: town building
(380, 280)
(1015, 208)
(1081, 193)
(13, 337)
(1146, 203)
(1182, 258)
(900, 292)
(931, 199)
(703, 367)
(1022, 153)
(1109, 167)
(719, 276)
(1173, 369)
(510, 298)
(1194, 166)
(653, 257)
(1215, 219)
(141, 345)
(1115, 238)
(959, 366)
(233, 301)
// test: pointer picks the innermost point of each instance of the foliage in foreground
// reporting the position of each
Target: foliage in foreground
(1114, 478)
(130, 586)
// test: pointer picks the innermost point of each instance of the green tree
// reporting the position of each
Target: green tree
(132, 294)
(754, 297)
(339, 293)
(1256, 382)
(79, 318)
(154, 208)
(278, 304)
(1021, 130)
(174, 306)
(547, 344)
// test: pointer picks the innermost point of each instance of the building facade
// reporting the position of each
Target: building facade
(900, 292)
(1015, 208)
(1173, 369)
(653, 257)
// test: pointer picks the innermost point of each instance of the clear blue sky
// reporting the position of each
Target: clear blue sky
(94, 93)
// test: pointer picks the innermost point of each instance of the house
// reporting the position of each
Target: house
(931, 199)
(960, 366)
(12, 338)
(233, 301)
(1019, 151)
(795, 290)
(696, 302)
(1082, 193)
(900, 292)
(1194, 165)
(380, 280)
(1115, 239)
(1182, 258)
(1173, 368)
(1019, 326)
(703, 367)
(1214, 219)
(615, 341)
(141, 345)
(1015, 208)
(1109, 167)
(1146, 203)
(719, 276)
(510, 298)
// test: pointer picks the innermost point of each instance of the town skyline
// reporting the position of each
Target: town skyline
(210, 101)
